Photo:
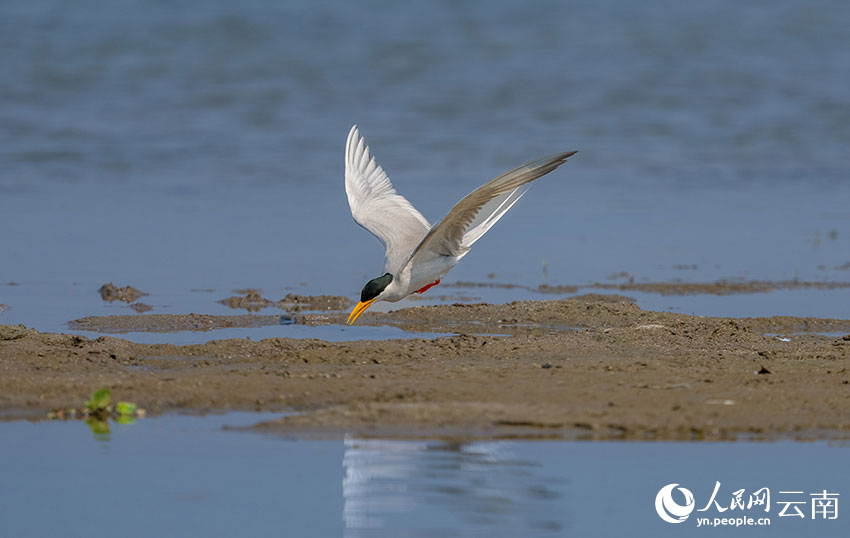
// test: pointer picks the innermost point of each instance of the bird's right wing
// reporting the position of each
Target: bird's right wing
(470, 218)
(376, 205)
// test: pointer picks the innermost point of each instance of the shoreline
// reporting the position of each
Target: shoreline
(589, 367)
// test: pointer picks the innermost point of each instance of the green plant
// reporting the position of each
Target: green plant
(99, 403)
(98, 411)
(126, 412)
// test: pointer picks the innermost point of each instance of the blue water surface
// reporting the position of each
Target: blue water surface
(177, 146)
(185, 476)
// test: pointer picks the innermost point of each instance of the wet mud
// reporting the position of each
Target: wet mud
(167, 323)
(252, 301)
(141, 307)
(720, 287)
(594, 366)
(109, 292)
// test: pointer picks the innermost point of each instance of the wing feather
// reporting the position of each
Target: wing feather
(470, 218)
(376, 205)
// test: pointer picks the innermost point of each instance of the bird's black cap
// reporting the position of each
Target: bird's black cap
(374, 287)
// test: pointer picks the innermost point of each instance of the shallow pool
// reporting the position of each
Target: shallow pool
(187, 476)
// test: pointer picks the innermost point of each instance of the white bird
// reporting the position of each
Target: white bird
(419, 254)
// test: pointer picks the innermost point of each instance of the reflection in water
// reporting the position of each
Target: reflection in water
(186, 476)
(438, 489)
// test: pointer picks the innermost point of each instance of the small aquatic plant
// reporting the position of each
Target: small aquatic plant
(97, 411)
(99, 402)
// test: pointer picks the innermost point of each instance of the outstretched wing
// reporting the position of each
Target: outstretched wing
(470, 218)
(376, 205)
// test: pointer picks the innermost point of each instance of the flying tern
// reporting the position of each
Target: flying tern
(419, 254)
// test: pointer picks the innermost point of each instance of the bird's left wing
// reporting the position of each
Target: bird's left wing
(376, 205)
(479, 210)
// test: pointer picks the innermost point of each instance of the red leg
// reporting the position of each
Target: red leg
(423, 290)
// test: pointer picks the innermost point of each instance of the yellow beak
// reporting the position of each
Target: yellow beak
(359, 309)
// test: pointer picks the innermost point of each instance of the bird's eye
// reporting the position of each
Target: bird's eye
(374, 287)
